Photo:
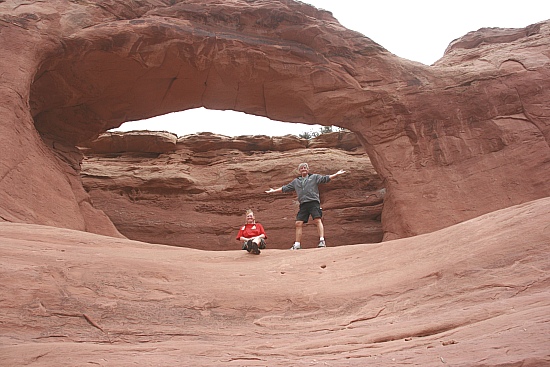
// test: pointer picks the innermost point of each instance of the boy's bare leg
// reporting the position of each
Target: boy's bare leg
(299, 226)
(320, 228)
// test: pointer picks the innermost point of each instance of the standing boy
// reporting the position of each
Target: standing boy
(307, 189)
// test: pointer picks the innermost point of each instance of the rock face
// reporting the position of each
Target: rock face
(461, 138)
(196, 194)
(451, 142)
(474, 294)
(134, 141)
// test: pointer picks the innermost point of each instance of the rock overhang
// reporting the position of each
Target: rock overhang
(428, 129)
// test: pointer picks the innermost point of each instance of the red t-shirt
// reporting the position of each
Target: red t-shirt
(251, 230)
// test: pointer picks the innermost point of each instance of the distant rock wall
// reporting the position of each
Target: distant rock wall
(163, 142)
(194, 191)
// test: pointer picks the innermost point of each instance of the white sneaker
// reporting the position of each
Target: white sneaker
(322, 244)
(295, 247)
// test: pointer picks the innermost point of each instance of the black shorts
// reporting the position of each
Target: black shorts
(312, 208)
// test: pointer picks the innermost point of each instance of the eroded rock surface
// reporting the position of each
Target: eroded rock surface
(196, 195)
(474, 294)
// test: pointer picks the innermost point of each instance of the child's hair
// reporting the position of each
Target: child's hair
(250, 211)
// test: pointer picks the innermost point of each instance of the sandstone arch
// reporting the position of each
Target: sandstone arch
(465, 137)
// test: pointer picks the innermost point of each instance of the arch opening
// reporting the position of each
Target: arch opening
(104, 77)
(175, 197)
(91, 87)
(228, 123)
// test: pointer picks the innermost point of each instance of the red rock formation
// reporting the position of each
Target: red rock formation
(453, 141)
(474, 294)
(464, 137)
(196, 194)
(133, 141)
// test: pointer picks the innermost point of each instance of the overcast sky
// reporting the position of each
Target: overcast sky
(418, 30)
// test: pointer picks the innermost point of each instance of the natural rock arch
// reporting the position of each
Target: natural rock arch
(453, 141)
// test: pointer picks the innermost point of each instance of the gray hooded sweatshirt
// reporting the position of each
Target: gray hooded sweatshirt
(307, 188)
